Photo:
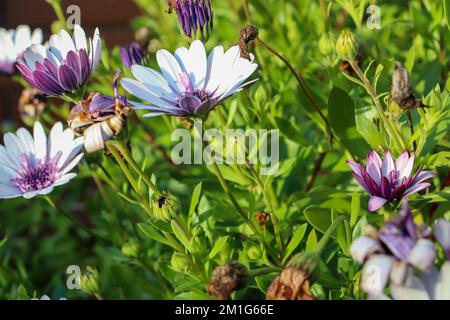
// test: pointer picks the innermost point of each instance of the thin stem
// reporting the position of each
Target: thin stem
(327, 235)
(77, 223)
(411, 127)
(302, 85)
(230, 195)
(127, 155)
(317, 166)
(392, 130)
(261, 272)
(269, 204)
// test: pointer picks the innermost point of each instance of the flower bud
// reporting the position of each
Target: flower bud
(131, 248)
(179, 262)
(89, 281)
(254, 252)
(347, 47)
(227, 278)
(131, 54)
(247, 35)
(165, 206)
(326, 44)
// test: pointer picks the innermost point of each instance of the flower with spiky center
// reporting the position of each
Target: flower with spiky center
(31, 166)
(194, 16)
(191, 84)
(131, 54)
(388, 180)
(393, 252)
(99, 117)
(13, 43)
(64, 67)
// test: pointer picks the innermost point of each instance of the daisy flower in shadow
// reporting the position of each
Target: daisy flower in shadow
(387, 180)
(34, 165)
(190, 83)
(62, 68)
(13, 43)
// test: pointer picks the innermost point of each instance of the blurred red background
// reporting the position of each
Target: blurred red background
(111, 16)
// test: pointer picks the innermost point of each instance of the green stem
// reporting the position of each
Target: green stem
(261, 272)
(127, 155)
(77, 223)
(327, 235)
(269, 204)
(392, 130)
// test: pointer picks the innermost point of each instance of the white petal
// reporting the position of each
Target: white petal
(45, 191)
(154, 81)
(363, 247)
(442, 233)
(65, 43)
(142, 92)
(423, 254)
(388, 165)
(375, 274)
(170, 69)
(8, 191)
(194, 62)
(406, 172)
(443, 286)
(27, 139)
(40, 141)
(64, 179)
(414, 291)
(96, 49)
(79, 37)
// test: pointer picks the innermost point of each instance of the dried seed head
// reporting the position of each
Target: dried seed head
(32, 103)
(292, 284)
(295, 280)
(247, 35)
(226, 279)
(401, 90)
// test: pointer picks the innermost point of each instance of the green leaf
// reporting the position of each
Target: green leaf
(152, 233)
(295, 241)
(341, 112)
(355, 208)
(263, 282)
(318, 217)
(192, 295)
(311, 242)
(195, 198)
(220, 243)
(181, 234)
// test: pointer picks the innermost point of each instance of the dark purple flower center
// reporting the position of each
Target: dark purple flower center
(35, 174)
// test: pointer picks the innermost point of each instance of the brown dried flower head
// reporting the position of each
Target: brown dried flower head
(32, 103)
(292, 284)
(227, 278)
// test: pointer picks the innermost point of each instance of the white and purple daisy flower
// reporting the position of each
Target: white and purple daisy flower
(13, 43)
(391, 254)
(191, 84)
(388, 180)
(65, 65)
(34, 165)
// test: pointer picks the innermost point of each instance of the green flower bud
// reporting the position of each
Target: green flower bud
(326, 44)
(89, 281)
(254, 252)
(131, 248)
(179, 262)
(165, 206)
(347, 47)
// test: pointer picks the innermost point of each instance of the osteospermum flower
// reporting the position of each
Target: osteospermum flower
(392, 253)
(99, 117)
(13, 43)
(193, 15)
(388, 180)
(131, 54)
(34, 165)
(191, 84)
(65, 65)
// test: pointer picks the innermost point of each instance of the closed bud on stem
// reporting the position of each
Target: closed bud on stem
(295, 280)
(89, 281)
(179, 262)
(326, 44)
(165, 206)
(131, 248)
(347, 47)
(226, 279)
(248, 34)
